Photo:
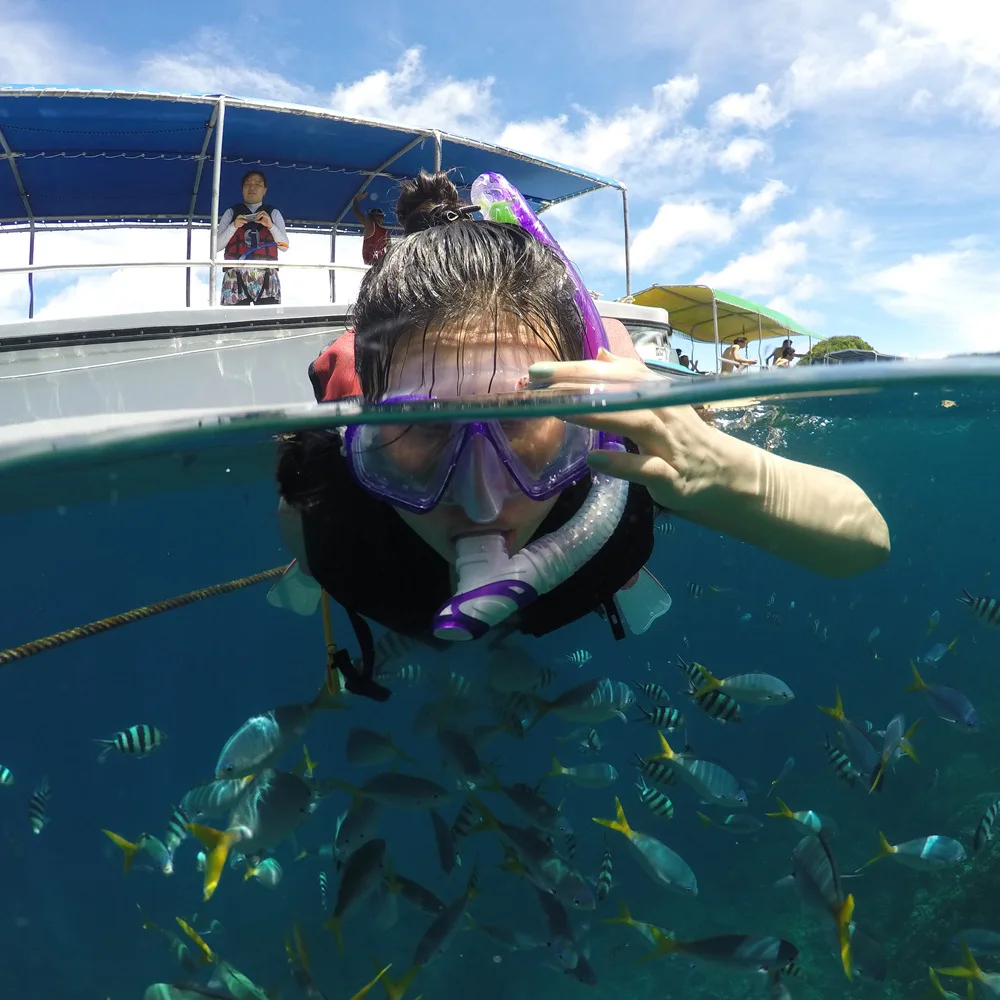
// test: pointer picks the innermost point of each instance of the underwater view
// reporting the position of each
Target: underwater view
(188, 797)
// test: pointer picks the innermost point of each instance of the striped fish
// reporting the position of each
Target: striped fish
(717, 705)
(984, 831)
(38, 806)
(841, 764)
(660, 772)
(411, 674)
(664, 717)
(176, 829)
(6, 776)
(466, 821)
(656, 693)
(693, 671)
(987, 609)
(771, 600)
(604, 876)
(655, 801)
(579, 657)
(324, 897)
(137, 740)
(665, 528)
(569, 840)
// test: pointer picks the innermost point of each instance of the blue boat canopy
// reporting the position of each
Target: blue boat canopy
(114, 157)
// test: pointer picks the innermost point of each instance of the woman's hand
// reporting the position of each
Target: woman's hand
(679, 460)
(263, 219)
(240, 221)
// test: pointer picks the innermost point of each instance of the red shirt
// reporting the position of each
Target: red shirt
(375, 245)
(332, 374)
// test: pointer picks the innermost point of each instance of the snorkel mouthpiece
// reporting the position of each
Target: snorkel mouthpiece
(493, 585)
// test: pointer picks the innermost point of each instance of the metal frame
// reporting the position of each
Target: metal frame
(209, 129)
(9, 155)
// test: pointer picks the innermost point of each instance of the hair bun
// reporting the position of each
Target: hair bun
(429, 200)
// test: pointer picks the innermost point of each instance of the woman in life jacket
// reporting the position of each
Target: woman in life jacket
(375, 243)
(446, 531)
(251, 230)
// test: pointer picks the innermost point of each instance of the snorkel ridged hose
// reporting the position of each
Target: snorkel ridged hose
(492, 585)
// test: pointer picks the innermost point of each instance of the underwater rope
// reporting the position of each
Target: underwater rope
(22, 652)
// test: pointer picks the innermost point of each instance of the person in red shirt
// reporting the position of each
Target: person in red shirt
(376, 240)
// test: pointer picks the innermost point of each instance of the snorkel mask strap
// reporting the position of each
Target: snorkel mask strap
(491, 584)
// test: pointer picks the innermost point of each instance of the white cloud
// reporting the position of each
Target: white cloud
(740, 153)
(208, 65)
(756, 110)
(677, 224)
(407, 95)
(697, 226)
(639, 136)
(761, 202)
(776, 269)
(951, 296)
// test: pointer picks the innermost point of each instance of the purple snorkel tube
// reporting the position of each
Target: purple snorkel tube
(491, 583)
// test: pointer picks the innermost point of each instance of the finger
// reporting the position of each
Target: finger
(590, 371)
(643, 427)
(646, 470)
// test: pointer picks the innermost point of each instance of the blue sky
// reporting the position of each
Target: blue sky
(835, 159)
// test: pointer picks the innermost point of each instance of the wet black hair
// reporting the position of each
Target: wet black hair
(452, 270)
(251, 173)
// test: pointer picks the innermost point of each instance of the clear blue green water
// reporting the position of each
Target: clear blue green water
(71, 927)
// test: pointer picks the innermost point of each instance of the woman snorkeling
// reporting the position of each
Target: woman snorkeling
(443, 531)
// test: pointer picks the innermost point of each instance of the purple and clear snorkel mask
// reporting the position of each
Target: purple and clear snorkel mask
(480, 464)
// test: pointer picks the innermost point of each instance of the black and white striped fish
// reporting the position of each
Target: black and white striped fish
(657, 803)
(773, 617)
(841, 764)
(466, 821)
(986, 609)
(717, 705)
(984, 831)
(770, 601)
(38, 806)
(6, 776)
(656, 693)
(324, 898)
(664, 717)
(604, 876)
(176, 830)
(458, 686)
(660, 772)
(137, 740)
(664, 527)
(592, 744)
(579, 657)
(569, 840)
(410, 673)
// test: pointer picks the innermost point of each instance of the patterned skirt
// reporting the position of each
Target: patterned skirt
(243, 285)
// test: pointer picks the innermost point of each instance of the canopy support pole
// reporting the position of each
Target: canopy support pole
(437, 151)
(31, 274)
(10, 157)
(760, 339)
(715, 327)
(216, 180)
(374, 173)
(333, 260)
(628, 263)
(209, 129)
